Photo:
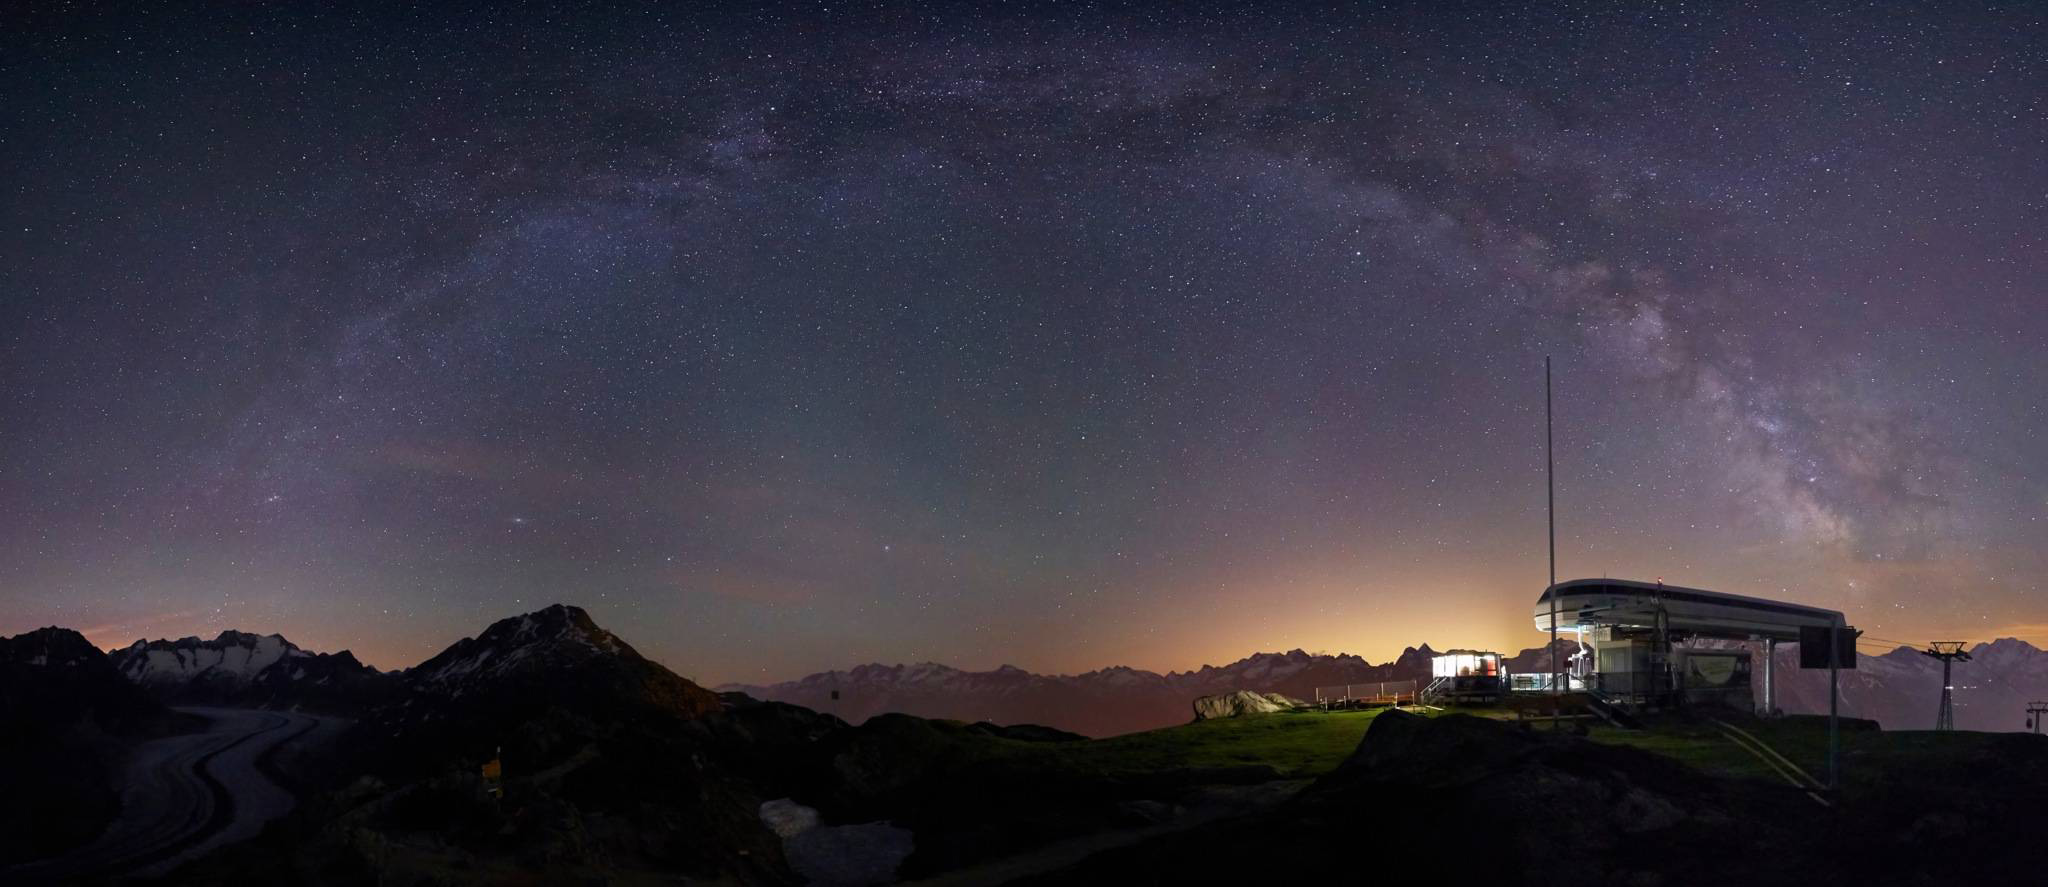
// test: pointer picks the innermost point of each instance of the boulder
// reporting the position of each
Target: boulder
(787, 818)
(1242, 702)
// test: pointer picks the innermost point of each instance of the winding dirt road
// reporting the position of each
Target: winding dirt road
(184, 796)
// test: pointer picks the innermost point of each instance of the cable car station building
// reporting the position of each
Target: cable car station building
(1633, 640)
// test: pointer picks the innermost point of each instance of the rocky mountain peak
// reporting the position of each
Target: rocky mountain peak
(1416, 657)
(555, 656)
(557, 624)
(554, 637)
(49, 647)
(52, 677)
(2005, 652)
(2007, 645)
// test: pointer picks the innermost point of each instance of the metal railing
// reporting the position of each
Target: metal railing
(1378, 693)
(1540, 682)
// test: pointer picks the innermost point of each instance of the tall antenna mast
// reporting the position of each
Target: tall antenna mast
(1948, 652)
(1550, 516)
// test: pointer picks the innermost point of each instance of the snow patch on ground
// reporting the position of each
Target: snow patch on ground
(836, 855)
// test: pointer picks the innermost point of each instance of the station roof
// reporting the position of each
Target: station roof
(1691, 610)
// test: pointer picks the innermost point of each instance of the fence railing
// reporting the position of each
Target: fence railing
(1540, 682)
(1374, 693)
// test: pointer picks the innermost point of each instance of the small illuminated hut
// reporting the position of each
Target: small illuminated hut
(1467, 676)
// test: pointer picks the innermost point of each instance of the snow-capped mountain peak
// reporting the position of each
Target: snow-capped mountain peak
(2004, 653)
(242, 668)
(233, 656)
(557, 635)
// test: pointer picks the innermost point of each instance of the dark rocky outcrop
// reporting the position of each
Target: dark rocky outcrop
(1507, 805)
(55, 677)
(611, 763)
(66, 715)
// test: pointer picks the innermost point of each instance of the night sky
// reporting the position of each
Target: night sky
(788, 339)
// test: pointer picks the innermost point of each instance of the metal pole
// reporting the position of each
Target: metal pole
(1660, 655)
(1770, 676)
(1834, 707)
(1550, 517)
(1941, 712)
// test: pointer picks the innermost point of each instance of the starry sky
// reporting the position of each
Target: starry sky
(785, 338)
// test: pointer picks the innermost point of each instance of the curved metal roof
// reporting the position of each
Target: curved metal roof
(1578, 587)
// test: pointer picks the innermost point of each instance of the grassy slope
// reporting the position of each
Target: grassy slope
(1916, 808)
(1298, 745)
(1702, 747)
(1874, 763)
(1906, 795)
(1304, 745)
(1286, 745)
(975, 798)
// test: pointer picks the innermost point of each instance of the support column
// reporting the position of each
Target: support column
(1770, 676)
(1834, 706)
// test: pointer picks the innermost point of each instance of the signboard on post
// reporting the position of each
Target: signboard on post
(1814, 645)
(1833, 648)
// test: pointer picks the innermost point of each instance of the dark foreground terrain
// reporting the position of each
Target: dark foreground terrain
(546, 751)
(1498, 803)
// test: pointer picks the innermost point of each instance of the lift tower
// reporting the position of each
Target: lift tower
(1948, 652)
(2034, 712)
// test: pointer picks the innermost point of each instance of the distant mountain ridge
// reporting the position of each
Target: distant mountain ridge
(1104, 702)
(1898, 689)
(537, 652)
(1901, 689)
(557, 653)
(243, 669)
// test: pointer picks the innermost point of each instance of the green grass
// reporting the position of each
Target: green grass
(1294, 745)
(1308, 744)
(1872, 761)
(1698, 746)
(1299, 745)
